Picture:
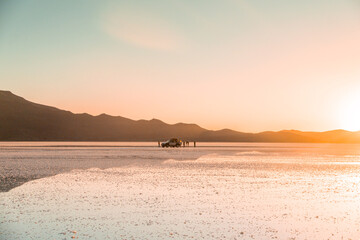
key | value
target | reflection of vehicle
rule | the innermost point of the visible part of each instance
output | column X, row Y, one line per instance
column 173, row 142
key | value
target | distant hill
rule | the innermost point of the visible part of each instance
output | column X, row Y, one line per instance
column 22, row 120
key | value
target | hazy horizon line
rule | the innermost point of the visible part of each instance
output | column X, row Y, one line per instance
column 157, row 119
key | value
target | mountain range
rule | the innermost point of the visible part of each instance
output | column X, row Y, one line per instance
column 22, row 120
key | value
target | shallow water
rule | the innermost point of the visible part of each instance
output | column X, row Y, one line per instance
column 214, row 191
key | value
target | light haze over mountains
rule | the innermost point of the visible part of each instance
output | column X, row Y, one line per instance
column 22, row 120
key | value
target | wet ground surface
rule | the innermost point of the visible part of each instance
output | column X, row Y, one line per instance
column 20, row 165
column 244, row 192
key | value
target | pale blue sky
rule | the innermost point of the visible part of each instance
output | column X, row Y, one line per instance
column 247, row 65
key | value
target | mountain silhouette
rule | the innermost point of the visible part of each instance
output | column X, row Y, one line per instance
column 22, row 120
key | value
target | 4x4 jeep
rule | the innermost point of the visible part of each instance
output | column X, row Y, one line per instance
column 173, row 142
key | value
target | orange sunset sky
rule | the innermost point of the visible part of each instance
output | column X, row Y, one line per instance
column 246, row 65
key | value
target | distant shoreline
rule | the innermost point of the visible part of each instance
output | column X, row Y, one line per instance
column 152, row 144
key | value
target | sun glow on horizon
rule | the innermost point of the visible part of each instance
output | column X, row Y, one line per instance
column 350, row 113
column 250, row 66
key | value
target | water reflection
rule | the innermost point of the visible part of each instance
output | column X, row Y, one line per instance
column 22, row 162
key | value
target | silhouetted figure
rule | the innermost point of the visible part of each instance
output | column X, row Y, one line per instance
column 183, row 144
column 158, row 143
column 194, row 144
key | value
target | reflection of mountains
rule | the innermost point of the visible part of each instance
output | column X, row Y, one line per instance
column 35, row 163
column 24, row 120
column 24, row 164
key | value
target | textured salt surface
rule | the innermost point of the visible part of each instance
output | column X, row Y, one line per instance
column 248, row 194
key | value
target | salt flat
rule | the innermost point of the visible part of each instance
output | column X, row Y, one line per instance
column 244, row 192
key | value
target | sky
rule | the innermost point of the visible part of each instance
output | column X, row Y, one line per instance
column 245, row 65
